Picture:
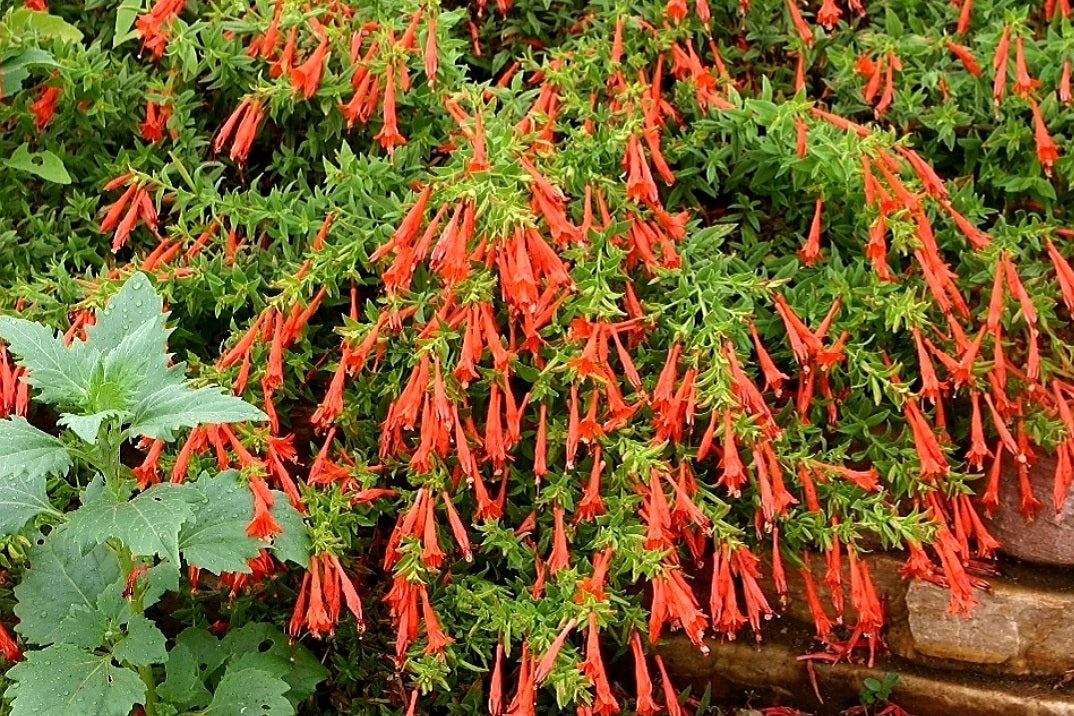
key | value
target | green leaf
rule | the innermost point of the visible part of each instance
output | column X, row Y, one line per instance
column 164, row 577
column 216, row 538
column 293, row 544
column 21, row 499
column 64, row 679
column 87, row 427
column 178, row 406
column 15, row 70
column 143, row 644
column 126, row 14
column 184, row 683
column 42, row 23
column 148, row 525
column 261, row 646
column 136, row 303
column 26, row 451
column 250, row 691
column 61, row 373
column 60, row 578
column 44, row 164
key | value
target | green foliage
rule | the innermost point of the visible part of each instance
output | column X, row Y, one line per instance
column 99, row 566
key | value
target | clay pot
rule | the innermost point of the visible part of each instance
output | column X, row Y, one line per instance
column 1046, row 539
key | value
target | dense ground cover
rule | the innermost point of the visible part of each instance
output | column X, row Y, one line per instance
column 569, row 321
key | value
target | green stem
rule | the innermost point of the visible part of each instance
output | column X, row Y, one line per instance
column 111, row 467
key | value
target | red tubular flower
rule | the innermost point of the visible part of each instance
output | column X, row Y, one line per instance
column 148, row 473
column 8, row 646
column 645, row 705
column 432, row 556
column 820, row 617
column 978, row 448
column 965, row 56
column 677, row 10
column 671, row 698
column 438, row 641
column 523, row 704
column 805, row 32
column 1023, row 83
column 156, row 117
column 389, row 136
column 153, row 27
column 45, row 107
column 560, row 558
column 1063, row 91
column 964, row 17
column 1064, row 275
column 306, row 78
column 829, row 14
column 594, row 584
column 593, row 669
column 263, row 525
column 1047, row 149
column 241, row 129
column 548, row 661
column 591, row 505
column 810, row 253
column 999, row 64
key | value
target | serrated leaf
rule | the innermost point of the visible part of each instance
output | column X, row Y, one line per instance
column 293, row 544
column 261, row 646
column 136, row 303
column 144, row 643
column 216, row 538
column 64, row 679
column 164, row 577
column 87, row 427
column 148, row 525
column 62, row 373
column 250, row 691
column 44, row 164
column 178, row 406
column 184, row 683
column 60, row 577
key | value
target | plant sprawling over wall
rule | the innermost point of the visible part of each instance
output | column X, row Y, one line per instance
column 555, row 309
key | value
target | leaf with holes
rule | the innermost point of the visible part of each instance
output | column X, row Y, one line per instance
column 251, row 691
column 60, row 578
column 148, row 525
column 64, row 679
column 44, row 164
column 216, row 538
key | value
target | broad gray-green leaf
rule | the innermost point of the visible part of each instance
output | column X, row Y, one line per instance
column 250, row 691
column 143, row 644
column 44, row 24
column 136, row 303
column 27, row 456
column 164, row 577
column 178, row 406
column 44, row 164
column 61, row 577
column 258, row 645
column 216, row 539
column 184, row 683
column 15, row 70
column 140, row 361
column 148, row 525
column 64, row 679
column 87, row 427
column 293, row 544
column 126, row 14
column 62, row 373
